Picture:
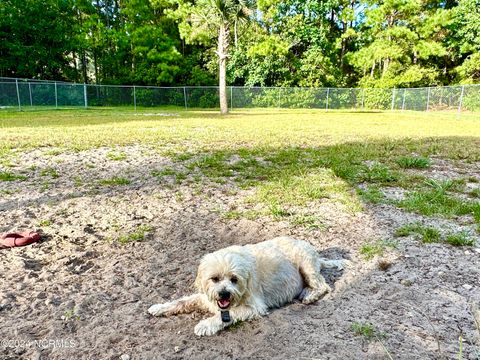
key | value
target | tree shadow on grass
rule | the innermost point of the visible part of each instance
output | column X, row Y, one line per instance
column 351, row 163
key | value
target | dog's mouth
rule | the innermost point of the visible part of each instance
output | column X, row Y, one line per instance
column 223, row 304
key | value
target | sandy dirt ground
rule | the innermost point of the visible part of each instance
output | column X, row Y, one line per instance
column 81, row 294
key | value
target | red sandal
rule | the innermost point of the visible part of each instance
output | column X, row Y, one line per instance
column 21, row 238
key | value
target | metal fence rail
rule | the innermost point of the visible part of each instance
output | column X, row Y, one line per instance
column 24, row 94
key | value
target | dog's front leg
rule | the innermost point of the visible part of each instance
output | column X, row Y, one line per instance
column 184, row 305
column 210, row 326
column 214, row 324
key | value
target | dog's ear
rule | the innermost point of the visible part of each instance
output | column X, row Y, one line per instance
column 199, row 279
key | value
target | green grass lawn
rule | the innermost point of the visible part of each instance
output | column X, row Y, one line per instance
column 253, row 129
column 292, row 157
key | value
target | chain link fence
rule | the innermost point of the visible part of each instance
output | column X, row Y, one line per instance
column 23, row 94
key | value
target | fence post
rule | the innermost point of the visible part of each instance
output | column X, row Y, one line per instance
column 403, row 101
column 363, row 98
column 393, row 99
column 461, row 99
column 328, row 93
column 18, row 95
column 85, row 99
column 231, row 97
column 428, row 97
column 30, row 93
column 185, row 97
column 56, row 96
column 134, row 99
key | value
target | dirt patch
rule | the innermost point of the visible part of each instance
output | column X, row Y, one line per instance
column 81, row 286
column 446, row 169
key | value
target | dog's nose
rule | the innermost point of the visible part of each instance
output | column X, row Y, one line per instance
column 224, row 295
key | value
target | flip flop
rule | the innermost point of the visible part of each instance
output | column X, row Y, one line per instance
column 21, row 238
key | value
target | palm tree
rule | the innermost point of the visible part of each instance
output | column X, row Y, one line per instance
column 220, row 15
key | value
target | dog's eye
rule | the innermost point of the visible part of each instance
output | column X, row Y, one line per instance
column 233, row 279
column 215, row 279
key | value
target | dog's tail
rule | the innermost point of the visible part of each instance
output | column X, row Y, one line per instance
column 332, row 264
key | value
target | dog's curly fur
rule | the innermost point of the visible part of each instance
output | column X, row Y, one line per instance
column 248, row 280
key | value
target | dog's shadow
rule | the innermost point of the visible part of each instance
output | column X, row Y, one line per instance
column 334, row 253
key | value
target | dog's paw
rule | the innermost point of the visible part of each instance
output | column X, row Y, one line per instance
column 159, row 309
column 344, row 264
column 308, row 295
column 206, row 328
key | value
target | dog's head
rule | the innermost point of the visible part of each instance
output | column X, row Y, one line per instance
column 225, row 276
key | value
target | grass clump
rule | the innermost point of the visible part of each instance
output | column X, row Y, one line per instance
column 372, row 194
column 366, row 330
column 436, row 200
column 7, row 163
column 307, row 221
column 379, row 173
column 278, row 211
column 431, row 235
column 475, row 193
column 7, row 176
column 70, row 315
column 53, row 152
column 427, row 234
column 413, row 162
column 45, row 223
column 51, row 172
column 115, row 181
column 377, row 248
column 116, row 156
column 179, row 176
column 8, row 191
column 138, row 235
column 459, row 239
column 300, row 189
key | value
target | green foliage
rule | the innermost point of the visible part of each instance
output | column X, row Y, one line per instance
column 437, row 198
column 51, row 172
column 413, row 162
column 377, row 248
column 396, row 43
column 459, row 239
column 433, row 235
column 179, row 176
column 139, row 234
column 36, row 36
column 371, row 194
column 7, row 176
column 378, row 173
column 285, row 98
column 115, row 181
column 116, row 156
column 365, row 330
column 469, row 71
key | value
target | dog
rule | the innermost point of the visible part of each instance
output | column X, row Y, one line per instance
column 239, row 283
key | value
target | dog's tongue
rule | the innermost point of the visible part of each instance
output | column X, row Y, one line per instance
column 223, row 303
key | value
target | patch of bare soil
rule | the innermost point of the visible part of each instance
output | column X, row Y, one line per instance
column 89, row 294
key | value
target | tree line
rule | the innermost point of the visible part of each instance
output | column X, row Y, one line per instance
column 323, row 43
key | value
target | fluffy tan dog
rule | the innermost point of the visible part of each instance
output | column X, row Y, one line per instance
column 240, row 283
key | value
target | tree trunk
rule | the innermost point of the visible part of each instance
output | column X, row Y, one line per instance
column 386, row 64
column 236, row 34
column 84, row 67
column 344, row 44
column 95, row 65
column 223, row 42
